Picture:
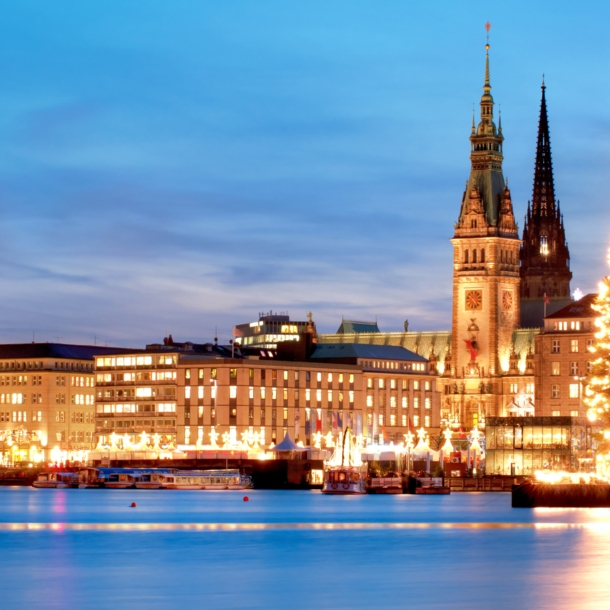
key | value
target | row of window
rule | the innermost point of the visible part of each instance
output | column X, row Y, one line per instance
column 574, row 345
column 573, row 390
column 20, row 416
column 73, row 366
column 162, row 407
column 125, row 361
column 513, row 388
column 416, row 384
column 404, row 402
column 574, row 368
column 402, row 366
column 136, row 376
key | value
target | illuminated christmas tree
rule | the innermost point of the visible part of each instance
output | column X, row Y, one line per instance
column 597, row 383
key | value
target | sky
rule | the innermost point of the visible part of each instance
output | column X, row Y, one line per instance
column 178, row 167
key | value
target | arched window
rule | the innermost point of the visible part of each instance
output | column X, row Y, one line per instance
column 544, row 244
column 474, row 256
column 473, row 223
column 466, row 256
column 483, row 255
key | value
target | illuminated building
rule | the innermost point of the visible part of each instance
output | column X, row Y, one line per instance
column 524, row 445
column 545, row 258
column 270, row 329
column 188, row 393
column 47, row 399
column 562, row 359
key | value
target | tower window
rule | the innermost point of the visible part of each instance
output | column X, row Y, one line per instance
column 474, row 256
column 483, row 255
column 544, row 245
column 473, row 223
column 466, row 256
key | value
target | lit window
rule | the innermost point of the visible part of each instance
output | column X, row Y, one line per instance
column 405, row 402
column 416, row 420
column 574, row 390
column 369, row 383
column 187, row 392
column 393, row 419
column 555, row 347
column 555, row 391
column 404, row 420
column 574, row 413
column 555, row 413
column 427, row 421
column 513, row 388
column 416, row 385
column 233, row 391
column 369, row 401
column 381, row 384
column 319, row 376
column 416, row 402
column 555, row 368
column 427, row 403
column 574, row 346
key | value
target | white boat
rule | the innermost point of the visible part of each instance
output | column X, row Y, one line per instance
column 345, row 473
column 121, row 480
column 55, row 480
column 205, row 479
column 150, row 480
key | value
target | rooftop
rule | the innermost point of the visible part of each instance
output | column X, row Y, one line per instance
column 357, row 326
column 578, row 309
column 57, row 350
column 364, row 350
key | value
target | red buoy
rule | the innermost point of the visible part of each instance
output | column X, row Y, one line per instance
column 246, row 499
column 133, row 505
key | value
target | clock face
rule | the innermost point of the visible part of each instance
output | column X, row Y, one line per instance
column 474, row 299
column 507, row 300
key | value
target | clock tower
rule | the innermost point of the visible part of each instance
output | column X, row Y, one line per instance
column 485, row 274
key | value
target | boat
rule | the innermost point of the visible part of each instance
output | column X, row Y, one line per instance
column 149, row 480
column 121, row 480
column 345, row 473
column 427, row 486
column 385, row 485
column 205, row 479
column 55, row 480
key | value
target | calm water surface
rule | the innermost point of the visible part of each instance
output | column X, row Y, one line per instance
column 292, row 550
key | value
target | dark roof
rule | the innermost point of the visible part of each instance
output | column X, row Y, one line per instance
column 57, row 350
column 578, row 309
column 365, row 350
column 354, row 326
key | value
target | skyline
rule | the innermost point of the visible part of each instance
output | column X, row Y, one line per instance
column 157, row 180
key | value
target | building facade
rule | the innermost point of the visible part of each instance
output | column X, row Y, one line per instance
column 47, row 399
column 198, row 394
column 562, row 359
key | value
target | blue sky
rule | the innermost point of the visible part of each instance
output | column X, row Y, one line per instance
column 177, row 166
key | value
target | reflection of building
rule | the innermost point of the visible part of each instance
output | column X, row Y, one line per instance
column 271, row 329
column 522, row 445
column 562, row 358
column 47, row 393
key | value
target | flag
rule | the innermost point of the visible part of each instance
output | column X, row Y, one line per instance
column 547, row 301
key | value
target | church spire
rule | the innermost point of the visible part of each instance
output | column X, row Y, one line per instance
column 545, row 258
column 543, row 200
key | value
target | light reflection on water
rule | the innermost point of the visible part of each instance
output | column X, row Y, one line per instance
column 89, row 549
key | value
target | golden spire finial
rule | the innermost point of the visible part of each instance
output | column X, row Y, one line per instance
column 487, row 27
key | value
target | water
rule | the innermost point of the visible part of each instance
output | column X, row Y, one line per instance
column 296, row 550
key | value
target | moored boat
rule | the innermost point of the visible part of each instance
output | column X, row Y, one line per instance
column 205, row 479
column 55, row 480
column 345, row 473
column 385, row 485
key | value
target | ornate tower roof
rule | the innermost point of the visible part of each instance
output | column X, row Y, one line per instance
column 486, row 193
column 545, row 258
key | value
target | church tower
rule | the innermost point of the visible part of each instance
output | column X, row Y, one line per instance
column 545, row 258
column 486, row 274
